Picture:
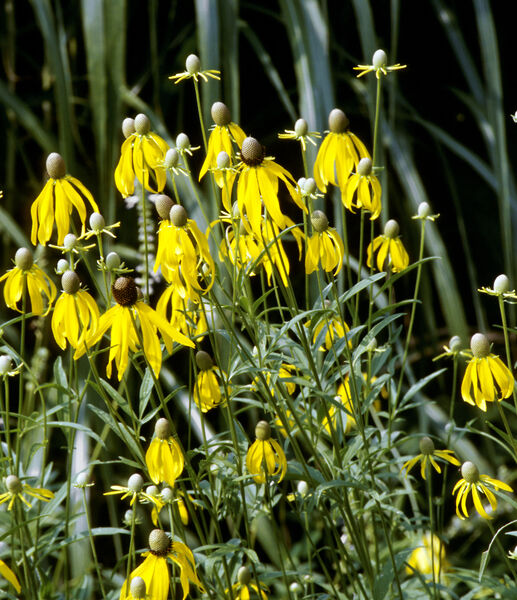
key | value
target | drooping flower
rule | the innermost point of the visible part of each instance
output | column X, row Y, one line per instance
column 390, row 250
column 378, row 65
column 325, row 246
column 141, row 156
column 273, row 253
column 183, row 253
column 339, row 153
column 421, row 559
column 335, row 329
column 244, row 586
column 473, row 481
column 76, row 314
column 164, row 458
column 486, row 378
column 207, row 389
column 155, row 572
column 26, row 275
column 56, row 201
column 301, row 133
column 363, row 190
column 185, row 315
column 220, row 140
column 265, row 457
column 428, row 453
column 16, row 489
column 258, row 186
column 124, row 318
column 6, row 573
column 284, row 374
column 193, row 71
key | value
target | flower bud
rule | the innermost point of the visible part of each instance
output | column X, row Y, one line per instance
column 301, row 182
column 82, row 479
column 470, row 472
column 301, row 128
column 135, row 483
column 6, row 363
column 391, row 229
column 424, row 210
column 152, row 490
column 220, row 114
column 455, row 343
column 379, row 59
column 97, row 222
column 426, row 445
column 162, row 429
column 319, row 221
column 56, row 167
column 338, row 121
column 128, row 127
column 263, row 431
column 171, row 158
column 302, row 488
column 163, row 205
column 159, row 541
column 480, row 345
column 124, row 291
column 193, row 64
column 182, row 141
column 178, row 216
column 69, row 242
column 223, row 160
column 142, row 124
column 295, row 588
column 167, row 494
column 112, row 261
column 62, row 266
column 252, row 152
column 23, row 259
column 309, row 186
column 204, row 360
column 364, row 168
column 501, row 284
column 70, row 282
column 137, row 588
column 244, row 575
column 13, row 484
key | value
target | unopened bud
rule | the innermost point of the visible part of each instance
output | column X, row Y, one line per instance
column 455, row 343
column 244, row 575
column 142, row 124
column 426, row 445
column 223, row 160
column 501, row 284
column 193, row 64
column 97, row 222
column 301, row 128
column 128, row 127
column 112, row 261
column 424, row 210
column 69, row 241
column 137, row 588
column 171, row 158
column 135, row 483
column 309, row 186
column 379, row 59
column 182, row 141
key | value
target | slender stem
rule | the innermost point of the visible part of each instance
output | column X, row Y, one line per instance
column 432, row 525
column 507, row 344
column 92, row 544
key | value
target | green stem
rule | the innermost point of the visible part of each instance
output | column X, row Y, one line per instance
column 507, row 344
column 92, row 544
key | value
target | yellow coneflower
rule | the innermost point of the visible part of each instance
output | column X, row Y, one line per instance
column 273, row 253
column 193, row 71
column 134, row 490
column 428, row 453
column 378, row 66
column 421, row 559
column 16, row 489
column 325, row 246
column 339, row 153
column 363, row 190
column 486, row 378
column 244, row 586
column 185, row 315
column 258, row 184
column 265, row 457
column 300, row 133
column 26, row 275
column 207, row 389
column 473, row 481
column 220, row 140
column 60, row 195
column 123, row 319
column 154, row 570
column 76, row 314
column 141, row 156
column 390, row 250
column 336, row 328
column 164, row 458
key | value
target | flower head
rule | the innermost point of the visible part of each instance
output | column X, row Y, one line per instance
column 6, row 573
column 164, row 458
column 193, row 71
column 265, row 457
column 258, row 186
column 185, row 315
column 56, row 201
column 16, row 490
column 207, row 389
column 378, row 65
column 301, row 133
column 339, row 153
column 76, row 314
column 428, row 453
column 244, row 586
column 155, row 573
column 473, row 481
column 129, row 319
column 363, row 190
column 421, row 559
column 334, row 327
column 325, row 246
column 486, row 378
column 26, row 275
column 134, row 490
column 500, row 288
column 221, row 137
column 141, row 156
column 390, row 249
